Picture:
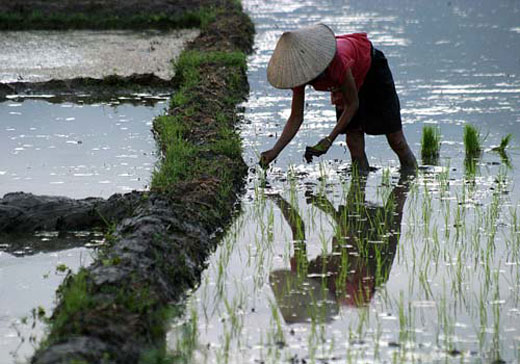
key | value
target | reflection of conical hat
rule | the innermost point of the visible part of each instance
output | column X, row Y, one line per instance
column 301, row 55
column 300, row 298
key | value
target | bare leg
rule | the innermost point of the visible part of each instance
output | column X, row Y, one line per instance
column 399, row 145
column 356, row 146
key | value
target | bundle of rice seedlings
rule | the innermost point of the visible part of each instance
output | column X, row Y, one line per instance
column 430, row 144
column 472, row 140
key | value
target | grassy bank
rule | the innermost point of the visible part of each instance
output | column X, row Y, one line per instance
column 196, row 144
column 110, row 14
column 116, row 310
column 39, row 21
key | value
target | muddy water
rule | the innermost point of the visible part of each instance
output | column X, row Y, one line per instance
column 323, row 267
column 77, row 150
column 32, row 56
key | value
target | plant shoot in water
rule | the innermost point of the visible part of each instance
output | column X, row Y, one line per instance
column 501, row 150
column 504, row 143
column 472, row 141
column 430, row 144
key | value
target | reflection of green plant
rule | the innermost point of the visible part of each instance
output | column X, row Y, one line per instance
column 501, row 149
column 471, row 167
column 187, row 340
column 430, row 144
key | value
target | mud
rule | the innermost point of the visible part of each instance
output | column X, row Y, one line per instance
column 25, row 212
column 231, row 31
column 153, row 256
column 36, row 56
column 88, row 89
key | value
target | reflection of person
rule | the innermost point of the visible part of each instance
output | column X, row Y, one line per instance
column 363, row 250
column 361, row 86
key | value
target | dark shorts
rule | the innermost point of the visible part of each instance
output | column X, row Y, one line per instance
column 379, row 108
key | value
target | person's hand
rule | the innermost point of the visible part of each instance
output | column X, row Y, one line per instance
column 319, row 149
column 266, row 158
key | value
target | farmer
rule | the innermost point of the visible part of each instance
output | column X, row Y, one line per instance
column 361, row 86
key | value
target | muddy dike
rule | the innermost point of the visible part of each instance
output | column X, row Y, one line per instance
column 117, row 310
column 90, row 89
column 25, row 213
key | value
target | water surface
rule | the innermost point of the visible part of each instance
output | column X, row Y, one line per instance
column 323, row 267
column 31, row 269
column 77, row 150
column 68, row 149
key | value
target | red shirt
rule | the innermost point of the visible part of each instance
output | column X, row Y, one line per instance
column 353, row 51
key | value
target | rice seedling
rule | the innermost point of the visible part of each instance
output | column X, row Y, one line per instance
column 504, row 143
column 501, row 150
column 471, row 168
column 448, row 253
column 472, row 141
column 430, row 145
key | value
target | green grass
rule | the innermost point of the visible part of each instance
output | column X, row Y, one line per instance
column 179, row 152
column 37, row 20
column 472, row 140
column 430, row 144
column 74, row 298
column 182, row 158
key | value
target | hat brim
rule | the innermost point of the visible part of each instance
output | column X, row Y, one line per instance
column 300, row 56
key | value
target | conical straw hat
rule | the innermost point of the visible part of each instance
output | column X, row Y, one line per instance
column 301, row 55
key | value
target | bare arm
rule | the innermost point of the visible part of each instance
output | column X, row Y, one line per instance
column 350, row 106
column 289, row 131
column 351, row 102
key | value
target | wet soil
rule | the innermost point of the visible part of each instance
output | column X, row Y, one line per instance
column 25, row 212
column 93, row 89
column 43, row 55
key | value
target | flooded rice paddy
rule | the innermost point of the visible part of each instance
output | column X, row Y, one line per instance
column 68, row 149
column 31, row 269
column 77, row 150
column 323, row 266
